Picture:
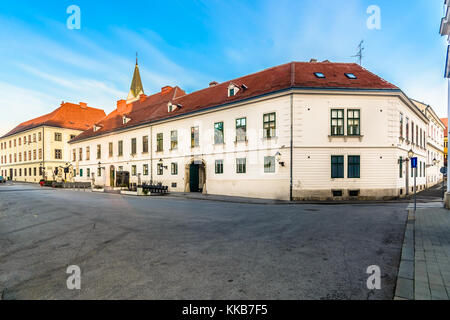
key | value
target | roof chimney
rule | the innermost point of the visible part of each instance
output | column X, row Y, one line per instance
column 83, row 105
column 121, row 106
column 313, row 60
column 213, row 83
column 166, row 89
column 142, row 97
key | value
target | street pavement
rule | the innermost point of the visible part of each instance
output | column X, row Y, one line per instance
column 424, row 272
column 175, row 248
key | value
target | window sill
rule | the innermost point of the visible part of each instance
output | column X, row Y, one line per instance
column 346, row 137
column 236, row 142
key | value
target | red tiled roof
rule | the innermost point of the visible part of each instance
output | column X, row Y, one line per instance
column 445, row 121
column 295, row 74
column 68, row 115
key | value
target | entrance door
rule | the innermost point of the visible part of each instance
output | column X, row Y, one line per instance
column 11, row 173
column 194, row 178
column 112, row 176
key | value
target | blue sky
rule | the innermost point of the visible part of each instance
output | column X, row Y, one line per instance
column 190, row 43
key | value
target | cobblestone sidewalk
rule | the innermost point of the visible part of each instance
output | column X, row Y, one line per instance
column 424, row 272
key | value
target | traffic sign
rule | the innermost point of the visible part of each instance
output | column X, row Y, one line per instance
column 414, row 163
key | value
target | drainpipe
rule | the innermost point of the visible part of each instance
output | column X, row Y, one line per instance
column 292, row 151
column 151, row 154
column 43, row 153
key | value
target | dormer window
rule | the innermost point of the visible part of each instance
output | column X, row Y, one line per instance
column 171, row 107
column 351, row 76
column 319, row 75
column 232, row 90
column 125, row 120
column 96, row 128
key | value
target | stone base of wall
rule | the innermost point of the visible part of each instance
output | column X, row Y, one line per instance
column 363, row 195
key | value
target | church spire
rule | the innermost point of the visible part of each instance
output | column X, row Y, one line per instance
column 136, row 88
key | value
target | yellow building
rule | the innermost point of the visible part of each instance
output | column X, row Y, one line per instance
column 35, row 148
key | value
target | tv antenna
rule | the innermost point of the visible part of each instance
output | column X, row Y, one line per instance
column 360, row 55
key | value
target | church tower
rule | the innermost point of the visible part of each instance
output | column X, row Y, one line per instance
column 136, row 88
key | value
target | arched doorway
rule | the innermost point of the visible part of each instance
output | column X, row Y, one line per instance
column 196, row 176
column 112, row 176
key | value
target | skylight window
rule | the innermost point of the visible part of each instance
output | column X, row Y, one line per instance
column 319, row 75
column 351, row 76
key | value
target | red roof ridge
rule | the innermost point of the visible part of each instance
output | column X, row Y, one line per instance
column 63, row 117
column 230, row 81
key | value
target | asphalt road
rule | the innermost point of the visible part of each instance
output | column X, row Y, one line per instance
column 175, row 248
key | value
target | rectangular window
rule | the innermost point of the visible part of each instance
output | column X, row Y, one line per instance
column 58, row 137
column 34, row 171
column 354, row 165
column 99, row 151
column 81, row 172
column 145, row 144
column 337, row 167
column 241, row 129
column 110, row 149
column 269, row 164
column 219, row 166
column 195, row 137
column 269, row 125
column 159, row 169
column 88, row 172
column 34, row 137
column 159, row 142
column 133, row 170
column 412, row 132
column 120, row 148
column 58, row 154
column 353, row 123
column 407, row 128
column 74, row 155
column 218, row 133
column 34, row 155
column 241, row 165
column 145, row 170
column 88, row 153
column 337, row 122
column 99, row 172
column 80, row 154
column 400, row 163
column 173, row 140
column 417, row 135
column 39, row 136
column 420, row 141
column 174, row 168
column 133, row 146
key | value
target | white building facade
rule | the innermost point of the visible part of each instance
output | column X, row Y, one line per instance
column 300, row 131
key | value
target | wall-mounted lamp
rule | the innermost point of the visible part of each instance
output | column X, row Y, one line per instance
column 278, row 159
column 161, row 163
